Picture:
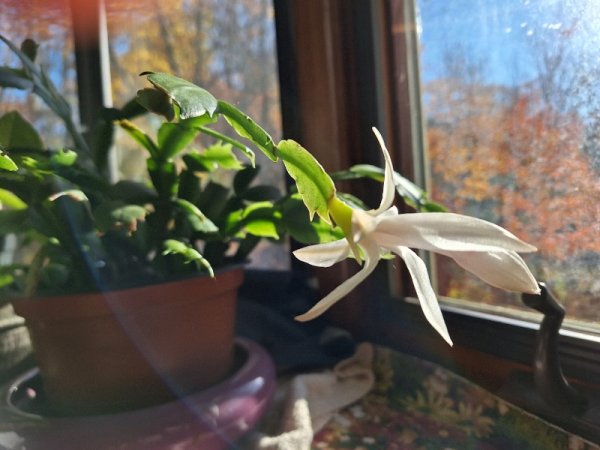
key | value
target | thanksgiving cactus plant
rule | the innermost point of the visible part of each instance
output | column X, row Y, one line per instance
column 89, row 232
column 80, row 232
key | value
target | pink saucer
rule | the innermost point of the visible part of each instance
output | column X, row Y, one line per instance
column 209, row 420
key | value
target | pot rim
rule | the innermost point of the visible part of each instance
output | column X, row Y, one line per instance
column 130, row 300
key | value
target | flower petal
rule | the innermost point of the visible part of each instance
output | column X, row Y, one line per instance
column 389, row 190
column 390, row 212
column 505, row 270
column 425, row 294
column 324, row 255
column 371, row 259
column 446, row 232
column 363, row 224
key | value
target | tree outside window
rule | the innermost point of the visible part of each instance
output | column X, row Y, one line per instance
column 512, row 106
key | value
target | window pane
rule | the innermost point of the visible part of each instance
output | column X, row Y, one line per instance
column 511, row 94
column 225, row 47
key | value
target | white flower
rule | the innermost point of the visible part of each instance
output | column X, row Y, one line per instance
column 485, row 249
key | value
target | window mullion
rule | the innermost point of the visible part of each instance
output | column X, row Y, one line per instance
column 92, row 65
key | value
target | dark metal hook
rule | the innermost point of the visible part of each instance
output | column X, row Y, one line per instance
column 550, row 382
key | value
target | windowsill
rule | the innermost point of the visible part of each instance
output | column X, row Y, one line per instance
column 523, row 318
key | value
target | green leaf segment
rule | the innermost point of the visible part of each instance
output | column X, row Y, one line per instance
column 6, row 163
column 314, row 185
column 192, row 100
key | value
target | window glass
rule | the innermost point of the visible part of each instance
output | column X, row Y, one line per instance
column 49, row 24
column 511, row 98
column 225, row 47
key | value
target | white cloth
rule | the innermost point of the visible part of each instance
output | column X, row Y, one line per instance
column 310, row 400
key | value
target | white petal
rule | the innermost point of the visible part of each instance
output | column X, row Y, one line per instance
column 425, row 294
column 389, row 190
column 324, row 255
column 446, row 232
column 505, row 270
column 390, row 212
column 363, row 224
column 371, row 259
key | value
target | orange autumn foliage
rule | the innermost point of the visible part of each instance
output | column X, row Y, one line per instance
column 524, row 168
column 518, row 162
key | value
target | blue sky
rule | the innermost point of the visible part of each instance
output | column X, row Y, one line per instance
column 503, row 33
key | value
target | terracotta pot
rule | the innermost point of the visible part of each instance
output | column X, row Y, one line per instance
column 115, row 351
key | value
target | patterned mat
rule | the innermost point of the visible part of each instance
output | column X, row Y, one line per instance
column 417, row 405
